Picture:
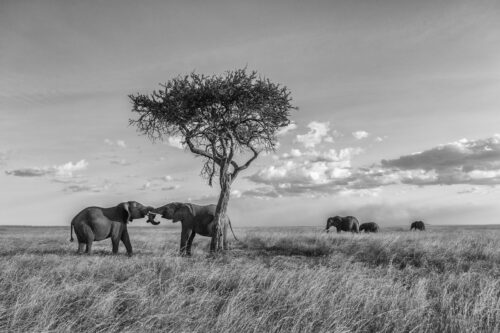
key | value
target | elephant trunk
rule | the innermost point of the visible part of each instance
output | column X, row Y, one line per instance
column 151, row 219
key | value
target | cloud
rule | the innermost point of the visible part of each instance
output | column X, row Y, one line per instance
column 88, row 187
column 175, row 141
column 284, row 130
column 121, row 143
column 261, row 193
column 460, row 162
column 474, row 162
column 64, row 170
column 318, row 133
column 118, row 143
column 27, row 172
column 170, row 188
column 309, row 172
column 68, row 168
column 236, row 193
column 162, row 183
column 359, row 135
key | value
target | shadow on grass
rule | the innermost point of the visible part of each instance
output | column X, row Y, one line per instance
column 290, row 247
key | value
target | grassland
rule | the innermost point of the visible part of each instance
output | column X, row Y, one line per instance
column 277, row 280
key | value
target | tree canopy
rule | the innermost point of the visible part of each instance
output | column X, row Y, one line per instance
column 216, row 116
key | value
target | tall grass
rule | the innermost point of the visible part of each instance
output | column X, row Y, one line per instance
column 275, row 281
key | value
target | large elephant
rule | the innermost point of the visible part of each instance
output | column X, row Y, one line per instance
column 418, row 225
column 96, row 223
column 369, row 227
column 195, row 219
column 347, row 223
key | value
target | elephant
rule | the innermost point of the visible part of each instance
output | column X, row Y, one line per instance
column 418, row 225
column 369, row 227
column 96, row 223
column 348, row 223
column 195, row 219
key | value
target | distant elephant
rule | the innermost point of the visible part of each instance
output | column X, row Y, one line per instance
column 418, row 225
column 369, row 227
column 348, row 223
column 96, row 223
column 195, row 219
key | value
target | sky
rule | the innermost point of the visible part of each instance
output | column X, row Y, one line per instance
column 398, row 101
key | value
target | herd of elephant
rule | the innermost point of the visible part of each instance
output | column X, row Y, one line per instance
column 97, row 223
column 350, row 223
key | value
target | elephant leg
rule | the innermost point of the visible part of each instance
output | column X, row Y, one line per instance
column 115, row 242
column 184, row 238
column 190, row 243
column 90, row 240
column 80, row 248
column 126, row 242
column 89, row 246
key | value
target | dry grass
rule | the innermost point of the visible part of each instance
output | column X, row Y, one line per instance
column 279, row 280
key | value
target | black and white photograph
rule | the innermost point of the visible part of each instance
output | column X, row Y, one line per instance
column 250, row 166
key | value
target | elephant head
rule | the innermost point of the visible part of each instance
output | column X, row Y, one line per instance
column 175, row 211
column 181, row 211
column 332, row 222
column 131, row 210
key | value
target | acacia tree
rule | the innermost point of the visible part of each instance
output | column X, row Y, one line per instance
column 222, row 118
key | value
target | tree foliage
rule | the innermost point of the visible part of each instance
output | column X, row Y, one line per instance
column 216, row 116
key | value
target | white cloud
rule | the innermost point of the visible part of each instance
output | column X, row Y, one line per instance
column 64, row 170
column 170, row 188
column 309, row 172
column 162, row 183
column 379, row 139
column 475, row 162
column 175, row 141
column 359, row 135
column 236, row 193
column 88, row 187
column 286, row 129
column 118, row 143
column 318, row 132
column 460, row 162
column 121, row 143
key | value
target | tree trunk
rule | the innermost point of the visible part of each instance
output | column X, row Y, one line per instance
column 220, row 212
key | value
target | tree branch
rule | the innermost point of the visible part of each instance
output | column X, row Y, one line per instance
column 201, row 152
column 247, row 164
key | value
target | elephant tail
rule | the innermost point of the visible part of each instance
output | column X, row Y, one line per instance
column 231, row 226
column 71, row 232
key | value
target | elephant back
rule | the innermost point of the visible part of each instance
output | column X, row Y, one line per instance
column 350, row 223
column 369, row 226
column 418, row 225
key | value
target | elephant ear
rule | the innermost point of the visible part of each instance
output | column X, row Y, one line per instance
column 182, row 212
column 124, row 207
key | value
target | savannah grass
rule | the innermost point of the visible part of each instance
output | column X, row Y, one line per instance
column 277, row 280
